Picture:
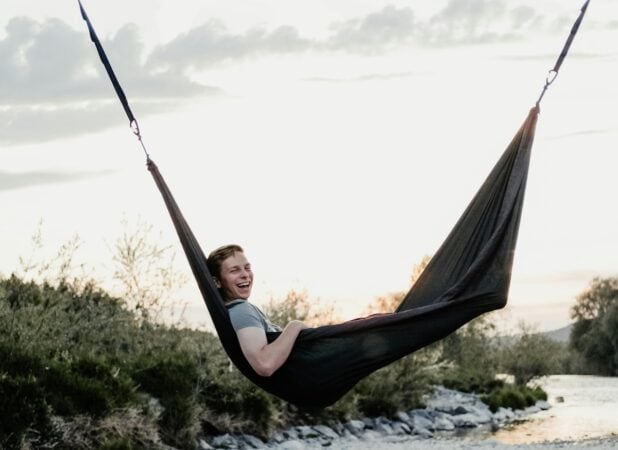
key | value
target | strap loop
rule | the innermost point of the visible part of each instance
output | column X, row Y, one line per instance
column 553, row 73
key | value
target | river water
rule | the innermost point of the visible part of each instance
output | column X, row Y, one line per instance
column 584, row 412
column 589, row 410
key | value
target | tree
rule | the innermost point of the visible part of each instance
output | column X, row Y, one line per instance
column 531, row 356
column 470, row 357
column 595, row 332
column 389, row 302
column 146, row 271
column 298, row 306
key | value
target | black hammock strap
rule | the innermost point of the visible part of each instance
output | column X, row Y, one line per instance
column 553, row 73
column 468, row 276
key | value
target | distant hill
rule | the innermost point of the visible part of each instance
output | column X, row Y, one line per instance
column 559, row 335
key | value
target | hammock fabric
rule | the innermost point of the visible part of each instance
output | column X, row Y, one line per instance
column 468, row 276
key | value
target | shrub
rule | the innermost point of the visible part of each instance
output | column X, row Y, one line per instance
column 514, row 397
column 232, row 403
column 87, row 385
column 22, row 408
column 471, row 358
column 397, row 387
column 594, row 337
column 127, row 428
column 174, row 382
column 531, row 356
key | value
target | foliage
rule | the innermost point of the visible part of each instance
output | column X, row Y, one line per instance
column 22, row 408
column 470, row 357
column 386, row 303
column 80, row 368
column 145, row 270
column 390, row 302
column 57, row 269
column 513, row 396
column 174, row 382
column 299, row 306
column 397, row 387
column 595, row 332
column 126, row 428
column 68, row 353
column 233, row 404
column 530, row 356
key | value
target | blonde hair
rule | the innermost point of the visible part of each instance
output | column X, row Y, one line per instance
column 216, row 257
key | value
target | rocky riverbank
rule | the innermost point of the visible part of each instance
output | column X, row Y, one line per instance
column 448, row 413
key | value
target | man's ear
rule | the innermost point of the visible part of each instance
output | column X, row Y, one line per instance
column 217, row 282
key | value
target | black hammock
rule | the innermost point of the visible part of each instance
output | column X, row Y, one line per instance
column 468, row 276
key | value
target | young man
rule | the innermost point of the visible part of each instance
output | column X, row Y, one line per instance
column 232, row 273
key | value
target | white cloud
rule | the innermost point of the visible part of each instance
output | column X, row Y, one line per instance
column 54, row 86
column 10, row 181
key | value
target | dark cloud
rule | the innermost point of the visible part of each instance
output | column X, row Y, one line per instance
column 212, row 44
column 53, row 84
column 49, row 63
column 378, row 30
column 10, row 181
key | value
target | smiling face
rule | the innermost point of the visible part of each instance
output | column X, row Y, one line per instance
column 235, row 277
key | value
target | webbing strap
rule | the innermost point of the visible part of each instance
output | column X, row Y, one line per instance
column 112, row 76
column 553, row 73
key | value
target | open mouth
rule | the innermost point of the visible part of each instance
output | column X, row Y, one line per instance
column 244, row 285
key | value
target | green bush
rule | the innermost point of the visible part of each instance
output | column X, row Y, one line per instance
column 594, row 338
column 470, row 358
column 83, row 386
column 174, row 382
column 514, row 397
column 397, row 387
column 531, row 356
column 87, row 386
column 232, row 403
column 22, row 408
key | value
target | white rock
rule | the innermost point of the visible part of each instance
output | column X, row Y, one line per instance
column 401, row 428
column 403, row 417
column 326, row 431
column 384, row 428
column 291, row 445
column 371, row 435
column 203, row 445
column 423, row 432
column 356, row 427
column 306, row 432
column 442, row 422
column 417, row 421
column 465, row 420
column 252, row 441
column 544, row 405
column 224, row 441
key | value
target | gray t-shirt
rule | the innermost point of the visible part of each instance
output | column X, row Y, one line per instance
column 244, row 314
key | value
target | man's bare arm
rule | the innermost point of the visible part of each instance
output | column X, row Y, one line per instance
column 266, row 358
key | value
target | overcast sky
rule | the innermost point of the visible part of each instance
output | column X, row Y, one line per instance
column 338, row 140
